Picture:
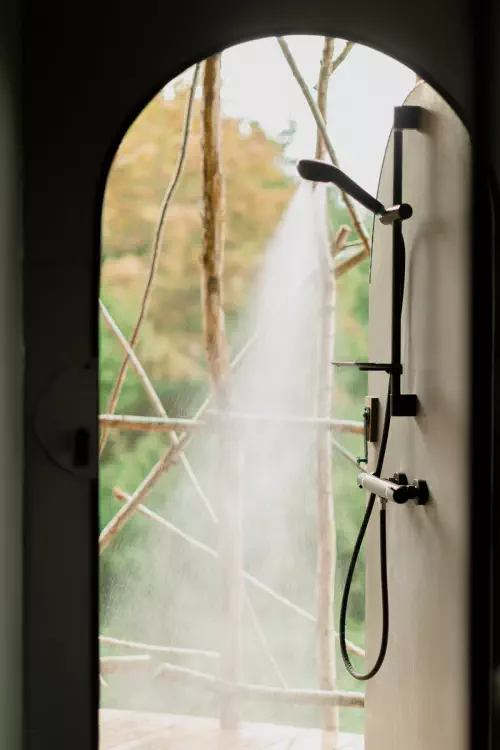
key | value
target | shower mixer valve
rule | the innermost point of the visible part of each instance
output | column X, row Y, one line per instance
column 396, row 489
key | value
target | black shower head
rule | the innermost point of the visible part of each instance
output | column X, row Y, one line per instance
column 320, row 171
column 317, row 171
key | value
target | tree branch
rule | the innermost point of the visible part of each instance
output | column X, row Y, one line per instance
column 157, row 404
column 322, row 89
column 344, row 452
column 329, row 146
column 353, row 260
column 127, row 511
column 341, row 57
column 171, row 650
column 264, row 642
column 155, row 255
column 133, row 359
column 340, row 239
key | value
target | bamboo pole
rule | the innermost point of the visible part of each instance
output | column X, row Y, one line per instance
column 250, row 692
column 326, row 544
column 216, row 348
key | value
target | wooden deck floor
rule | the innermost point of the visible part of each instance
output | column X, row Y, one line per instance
column 134, row 730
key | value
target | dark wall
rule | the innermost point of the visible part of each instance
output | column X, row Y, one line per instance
column 88, row 71
column 10, row 381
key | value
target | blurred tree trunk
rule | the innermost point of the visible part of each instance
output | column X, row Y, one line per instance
column 217, row 354
column 326, row 553
column 322, row 89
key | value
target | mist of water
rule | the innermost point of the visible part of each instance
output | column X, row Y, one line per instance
column 176, row 601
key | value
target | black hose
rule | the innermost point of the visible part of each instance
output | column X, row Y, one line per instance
column 383, row 566
column 383, row 538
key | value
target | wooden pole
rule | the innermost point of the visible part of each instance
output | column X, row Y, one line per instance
column 326, row 550
column 217, row 354
column 167, row 424
column 322, row 89
column 260, row 692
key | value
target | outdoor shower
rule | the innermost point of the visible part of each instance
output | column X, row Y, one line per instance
column 397, row 488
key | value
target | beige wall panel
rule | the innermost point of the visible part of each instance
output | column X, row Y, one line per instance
column 418, row 701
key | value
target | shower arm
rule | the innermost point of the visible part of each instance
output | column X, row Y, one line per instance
column 405, row 118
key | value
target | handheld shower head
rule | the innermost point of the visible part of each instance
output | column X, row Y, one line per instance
column 316, row 170
column 320, row 171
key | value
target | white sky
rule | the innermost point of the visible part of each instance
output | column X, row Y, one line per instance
column 259, row 85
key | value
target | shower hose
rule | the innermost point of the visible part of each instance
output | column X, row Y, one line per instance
column 383, row 537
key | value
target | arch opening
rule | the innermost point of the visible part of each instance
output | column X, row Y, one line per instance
column 265, row 214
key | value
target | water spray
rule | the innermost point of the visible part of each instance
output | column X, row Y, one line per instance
column 397, row 489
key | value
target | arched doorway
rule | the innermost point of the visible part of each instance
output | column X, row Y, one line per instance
column 55, row 177
column 449, row 111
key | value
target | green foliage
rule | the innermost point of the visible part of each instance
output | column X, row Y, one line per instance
column 351, row 336
column 111, row 356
